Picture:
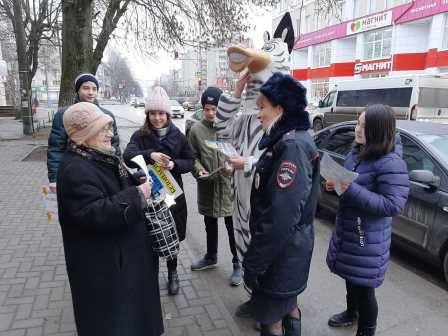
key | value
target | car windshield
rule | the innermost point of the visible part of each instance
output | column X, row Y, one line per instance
column 174, row 103
column 438, row 143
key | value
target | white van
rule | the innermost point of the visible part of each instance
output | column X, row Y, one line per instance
column 417, row 97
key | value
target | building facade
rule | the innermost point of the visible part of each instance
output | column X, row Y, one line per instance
column 365, row 39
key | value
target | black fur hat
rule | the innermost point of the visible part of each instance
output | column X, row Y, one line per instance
column 287, row 92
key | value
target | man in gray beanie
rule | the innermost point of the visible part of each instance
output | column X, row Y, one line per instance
column 86, row 88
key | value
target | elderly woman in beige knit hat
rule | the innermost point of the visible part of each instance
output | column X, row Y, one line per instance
column 112, row 269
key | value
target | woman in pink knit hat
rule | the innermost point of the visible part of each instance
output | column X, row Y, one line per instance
column 111, row 267
column 160, row 141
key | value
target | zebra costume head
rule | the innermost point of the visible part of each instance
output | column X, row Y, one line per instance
column 273, row 57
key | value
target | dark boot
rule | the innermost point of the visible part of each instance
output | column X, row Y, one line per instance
column 366, row 331
column 267, row 333
column 173, row 282
column 244, row 310
column 292, row 326
column 344, row 319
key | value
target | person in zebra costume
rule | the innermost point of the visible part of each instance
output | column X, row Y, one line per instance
column 243, row 129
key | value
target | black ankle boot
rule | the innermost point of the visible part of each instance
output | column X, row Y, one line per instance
column 173, row 282
column 292, row 326
column 366, row 331
column 344, row 319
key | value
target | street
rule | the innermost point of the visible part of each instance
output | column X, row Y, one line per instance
column 412, row 301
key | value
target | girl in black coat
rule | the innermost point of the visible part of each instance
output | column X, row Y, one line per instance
column 112, row 270
column 160, row 141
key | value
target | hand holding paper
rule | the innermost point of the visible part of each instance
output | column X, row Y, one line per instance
column 337, row 177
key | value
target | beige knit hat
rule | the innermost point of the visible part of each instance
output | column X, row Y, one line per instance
column 83, row 121
column 158, row 100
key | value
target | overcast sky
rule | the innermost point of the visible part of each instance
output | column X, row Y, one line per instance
column 146, row 70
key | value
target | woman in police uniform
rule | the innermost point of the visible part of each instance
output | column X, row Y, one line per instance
column 283, row 202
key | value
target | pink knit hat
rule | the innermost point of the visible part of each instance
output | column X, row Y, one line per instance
column 83, row 121
column 158, row 100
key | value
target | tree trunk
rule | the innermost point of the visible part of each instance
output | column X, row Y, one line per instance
column 77, row 45
column 24, row 69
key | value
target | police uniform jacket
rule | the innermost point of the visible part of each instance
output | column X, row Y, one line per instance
column 283, row 202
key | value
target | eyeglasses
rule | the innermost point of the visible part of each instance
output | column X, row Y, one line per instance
column 107, row 129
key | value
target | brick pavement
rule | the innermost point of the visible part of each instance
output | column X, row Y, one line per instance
column 34, row 291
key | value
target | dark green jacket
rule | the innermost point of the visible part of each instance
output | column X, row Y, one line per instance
column 215, row 195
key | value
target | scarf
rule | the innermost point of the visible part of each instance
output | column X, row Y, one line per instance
column 105, row 157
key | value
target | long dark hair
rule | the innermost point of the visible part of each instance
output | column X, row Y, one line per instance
column 147, row 128
column 380, row 129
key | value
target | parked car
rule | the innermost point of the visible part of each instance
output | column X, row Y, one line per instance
column 177, row 109
column 138, row 102
column 418, row 97
column 188, row 106
column 193, row 119
column 422, row 228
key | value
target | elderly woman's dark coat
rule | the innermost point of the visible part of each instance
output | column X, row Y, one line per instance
column 112, row 270
column 175, row 145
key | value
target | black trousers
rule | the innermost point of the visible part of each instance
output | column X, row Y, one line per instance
column 363, row 300
column 211, row 228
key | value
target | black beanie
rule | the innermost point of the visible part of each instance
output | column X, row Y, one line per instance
column 85, row 77
column 211, row 96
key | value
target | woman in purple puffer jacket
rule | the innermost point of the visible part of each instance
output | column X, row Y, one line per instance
column 360, row 245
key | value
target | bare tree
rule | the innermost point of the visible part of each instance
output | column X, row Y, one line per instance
column 33, row 22
column 329, row 7
column 122, row 81
column 164, row 23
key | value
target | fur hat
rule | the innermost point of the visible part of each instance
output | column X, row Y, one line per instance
column 287, row 92
column 211, row 96
column 85, row 77
column 83, row 121
column 158, row 100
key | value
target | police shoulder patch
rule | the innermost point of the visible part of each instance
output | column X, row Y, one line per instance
column 286, row 174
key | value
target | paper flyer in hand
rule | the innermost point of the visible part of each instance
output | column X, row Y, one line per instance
column 331, row 170
column 162, row 177
column 223, row 147
column 50, row 203
column 212, row 174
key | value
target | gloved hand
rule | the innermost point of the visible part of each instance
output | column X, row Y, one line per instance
column 139, row 176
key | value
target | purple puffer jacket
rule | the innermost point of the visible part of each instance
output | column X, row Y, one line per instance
column 359, row 247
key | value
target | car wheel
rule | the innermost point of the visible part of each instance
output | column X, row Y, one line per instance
column 317, row 125
column 445, row 266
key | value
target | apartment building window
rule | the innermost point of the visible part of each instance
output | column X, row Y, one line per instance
column 445, row 33
column 378, row 44
column 322, row 55
column 366, row 7
column 319, row 89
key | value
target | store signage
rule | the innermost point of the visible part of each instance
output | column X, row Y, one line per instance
column 369, row 22
column 377, row 66
column 321, row 36
column 423, row 8
column 405, row 13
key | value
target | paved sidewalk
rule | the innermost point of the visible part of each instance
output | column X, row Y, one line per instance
column 34, row 291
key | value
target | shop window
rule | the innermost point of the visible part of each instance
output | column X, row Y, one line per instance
column 445, row 33
column 378, row 44
column 322, row 55
column 319, row 89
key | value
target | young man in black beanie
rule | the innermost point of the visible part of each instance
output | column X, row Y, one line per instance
column 215, row 194
column 86, row 88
